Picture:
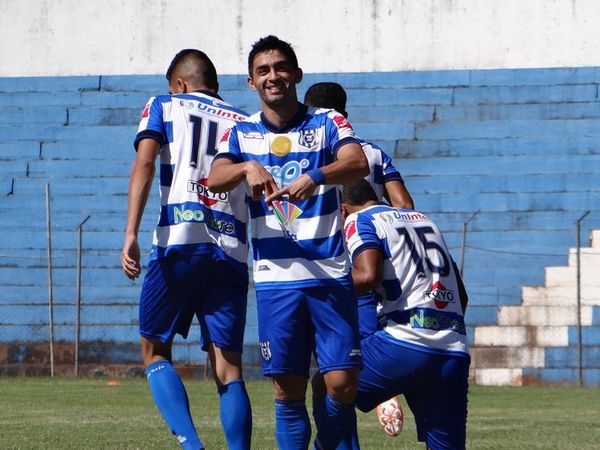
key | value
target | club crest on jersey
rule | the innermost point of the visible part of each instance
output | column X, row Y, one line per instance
column 308, row 139
column 205, row 196
column 281, row 146
column 440, row 295
column 285, row 212
column 186, row 104
column 350, row 230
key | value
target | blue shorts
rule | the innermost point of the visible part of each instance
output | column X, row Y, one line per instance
column 434, row 383
column 367, row 315
column 293, row 323
column 180, row 286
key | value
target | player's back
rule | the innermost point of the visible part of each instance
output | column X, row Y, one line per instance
column 193, row 219
column 419, row 296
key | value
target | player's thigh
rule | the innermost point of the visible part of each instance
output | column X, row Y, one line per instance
column 440, row 406
column 284, row 332
column 222, row 308
column 170, row 292
column 388, row 370
column 334, row 317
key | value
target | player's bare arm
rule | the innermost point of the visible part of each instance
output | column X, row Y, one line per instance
column 225, row 175
column 351, row 165
column 396, row 194
column 142, row 174
column 367, row 271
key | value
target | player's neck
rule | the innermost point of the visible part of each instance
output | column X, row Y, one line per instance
column 280, row 115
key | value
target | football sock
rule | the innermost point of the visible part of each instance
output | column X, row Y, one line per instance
column 236, row 415
column 292, row 426
column 350, row 441
column 333, row 420
column 172, row 402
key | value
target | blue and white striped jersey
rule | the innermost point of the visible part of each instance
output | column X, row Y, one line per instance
column 298, row 244
column 192, row 219
column 381, row 168
column 419, row 300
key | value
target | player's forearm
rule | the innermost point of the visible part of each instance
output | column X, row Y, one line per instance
column 142, row 174
column 226, row 176
column 350, row 166
column 397, row 195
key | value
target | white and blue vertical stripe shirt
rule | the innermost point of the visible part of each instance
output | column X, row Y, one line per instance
column 192, row 219
column 419, row 299
column 298, row 244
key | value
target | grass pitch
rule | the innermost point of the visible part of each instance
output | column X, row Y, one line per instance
column 64, row 413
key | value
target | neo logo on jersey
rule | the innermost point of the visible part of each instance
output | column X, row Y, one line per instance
column 440, row 295
column 287, row 173
column 205, row 196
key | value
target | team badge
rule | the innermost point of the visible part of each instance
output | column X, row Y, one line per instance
column 308, row 139
column 281, row 146
column 285, row 212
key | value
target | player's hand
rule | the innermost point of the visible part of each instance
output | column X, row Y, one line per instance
column 130, row 258
column 259, row 180
column 302, row 188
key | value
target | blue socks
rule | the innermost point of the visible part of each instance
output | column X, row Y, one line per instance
column 172, row 402
column 236, row 415
column 292, row 426
column 334, row 420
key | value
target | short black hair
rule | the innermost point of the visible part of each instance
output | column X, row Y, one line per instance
column 327, row 95
column 204, row 69
column 271, row 42
column 358, row 193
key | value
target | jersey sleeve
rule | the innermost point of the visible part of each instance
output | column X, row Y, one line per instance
column 339, row 131
column 360, row 234
column 390, row 173
column 152, row 124
column 229, row 147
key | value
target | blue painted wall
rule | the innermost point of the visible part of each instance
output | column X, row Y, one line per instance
column 521, row 146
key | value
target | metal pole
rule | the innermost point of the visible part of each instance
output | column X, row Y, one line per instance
column 78, row 305
column 50, row 299
column 578, row 294
column 464, row 240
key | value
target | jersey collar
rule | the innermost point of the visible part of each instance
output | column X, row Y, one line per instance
column 209, row 93
column 298, row 117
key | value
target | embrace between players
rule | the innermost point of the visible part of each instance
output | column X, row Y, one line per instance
column 282, row 171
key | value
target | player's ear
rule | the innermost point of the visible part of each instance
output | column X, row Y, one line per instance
column 299, row 75
column 345, row 212
column 250, row 82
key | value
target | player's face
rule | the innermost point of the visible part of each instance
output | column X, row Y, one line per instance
column 274, row 78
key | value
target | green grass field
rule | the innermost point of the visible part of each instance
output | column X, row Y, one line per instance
column 38, row 413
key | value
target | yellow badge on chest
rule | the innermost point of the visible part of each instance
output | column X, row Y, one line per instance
column 281, row 146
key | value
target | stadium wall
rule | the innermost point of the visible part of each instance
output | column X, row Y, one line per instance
column 116, row 37
column 519, row 146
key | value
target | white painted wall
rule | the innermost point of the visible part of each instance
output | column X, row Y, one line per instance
column 90, row 37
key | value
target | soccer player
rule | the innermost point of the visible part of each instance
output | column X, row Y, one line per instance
column 198, row 260
column 421, row 351
column 387, row 183
column 295, row 156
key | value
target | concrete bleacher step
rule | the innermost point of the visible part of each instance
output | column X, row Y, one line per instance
column 508, row 357
column 500, row 129
column 525, row 94
column 106, row 134
column 39, row 115
column 568, row 144
column 521, row 336
column 559, row 296
column 542, row 315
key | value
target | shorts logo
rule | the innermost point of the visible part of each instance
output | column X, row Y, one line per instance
column 440, row 295
column 265, row 350
column 205, row 196
column 281, row 146
column 263, row 268
column 355, row 353
column 350, row 230
column 308, row 139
